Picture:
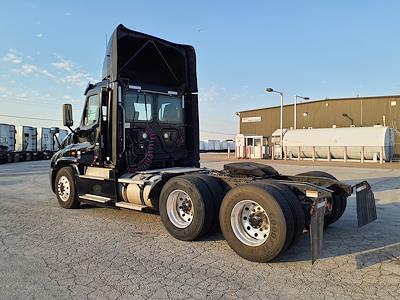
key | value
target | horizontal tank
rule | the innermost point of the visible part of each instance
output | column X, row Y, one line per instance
column 26, row 139
column 340, row 140
column 7, row 136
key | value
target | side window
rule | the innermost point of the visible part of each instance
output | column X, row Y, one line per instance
column 91, row 114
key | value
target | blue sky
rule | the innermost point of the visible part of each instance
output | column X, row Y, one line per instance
column 49, row 50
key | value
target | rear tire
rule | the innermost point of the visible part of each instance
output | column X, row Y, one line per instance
column 186, row 207
column 256, row 221
column 65, row 188
column 295, row 207
column 217, row 191
column 339, row 198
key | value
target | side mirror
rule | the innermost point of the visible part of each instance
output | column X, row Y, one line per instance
column 67, row 115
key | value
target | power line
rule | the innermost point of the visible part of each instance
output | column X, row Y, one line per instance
column 30, row 118
column 217, row 132
column 43, row 119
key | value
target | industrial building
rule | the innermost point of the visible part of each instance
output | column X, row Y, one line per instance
column 326, row 113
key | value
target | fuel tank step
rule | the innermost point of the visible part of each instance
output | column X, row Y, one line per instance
column 95, row 198
column 130, row 205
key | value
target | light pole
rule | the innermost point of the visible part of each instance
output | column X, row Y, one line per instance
column 270, row 90
column 295, row 108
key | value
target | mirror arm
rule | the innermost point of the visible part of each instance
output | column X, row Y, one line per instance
column 72, row 130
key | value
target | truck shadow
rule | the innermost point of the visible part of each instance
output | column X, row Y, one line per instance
column 371, row 244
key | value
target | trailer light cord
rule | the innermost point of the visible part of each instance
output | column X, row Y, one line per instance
column 148, row 158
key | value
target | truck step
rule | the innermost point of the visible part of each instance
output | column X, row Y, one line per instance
column 129, row 205
column 91, row 177
column 95, row 198
column 132, row 181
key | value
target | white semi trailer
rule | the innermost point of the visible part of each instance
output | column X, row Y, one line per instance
column 45, row 143
column 7, row 141
column 26, row 143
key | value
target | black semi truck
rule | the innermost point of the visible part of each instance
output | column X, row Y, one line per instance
column 137, row 147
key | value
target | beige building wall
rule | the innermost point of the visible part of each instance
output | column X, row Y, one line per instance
column 367, row 111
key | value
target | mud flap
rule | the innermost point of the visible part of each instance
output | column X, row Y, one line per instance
column 317, row 228
column 365, row 201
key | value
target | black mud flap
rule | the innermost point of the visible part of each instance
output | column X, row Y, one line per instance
column 317, row 228
column 366, row 208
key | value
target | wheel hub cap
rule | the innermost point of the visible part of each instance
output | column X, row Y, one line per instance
column 180, row 208
column 250, row 223
column 63, row 188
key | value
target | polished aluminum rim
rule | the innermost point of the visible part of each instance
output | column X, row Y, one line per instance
column 180, row 209
column 63, row 188
column 250, row 223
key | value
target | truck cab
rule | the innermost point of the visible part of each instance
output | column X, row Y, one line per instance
column 137, row 147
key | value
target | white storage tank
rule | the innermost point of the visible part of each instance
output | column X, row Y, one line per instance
column 26, row 139
column 45, row 140
column 7, row 136
column 354, row 138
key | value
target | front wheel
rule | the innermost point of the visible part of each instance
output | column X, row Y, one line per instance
column 65, row 188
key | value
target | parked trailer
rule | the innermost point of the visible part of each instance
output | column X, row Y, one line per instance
column 45, row 142
column 26, row 143
column 340, row 143
column 122, row 157
column 7, row 141
column 60, row 136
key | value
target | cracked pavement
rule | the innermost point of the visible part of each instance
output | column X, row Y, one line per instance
column 102, row 253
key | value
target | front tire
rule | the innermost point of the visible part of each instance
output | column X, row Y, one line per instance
column 65, row 188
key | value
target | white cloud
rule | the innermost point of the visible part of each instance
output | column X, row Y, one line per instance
column 12, row 57
column 28, row 69
column 74, row 75
column 39, row 35
column 211, row 93
column 67, row 14
column 63, row 64
column 78, row 79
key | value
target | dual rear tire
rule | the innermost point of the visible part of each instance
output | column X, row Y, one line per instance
column 261, row 220
column 189, row 206
column 339, row 201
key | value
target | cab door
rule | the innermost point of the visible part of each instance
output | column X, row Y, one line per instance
column 88, row 134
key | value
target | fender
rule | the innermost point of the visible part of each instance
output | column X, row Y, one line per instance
column 58, row 162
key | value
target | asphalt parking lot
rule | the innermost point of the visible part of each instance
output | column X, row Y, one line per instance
column 49, row 252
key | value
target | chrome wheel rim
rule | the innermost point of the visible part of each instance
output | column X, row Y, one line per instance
column 180, row 209
column 63, row 188
column 250, row 223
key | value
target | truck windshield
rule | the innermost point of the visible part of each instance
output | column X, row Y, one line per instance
column 138, row 106
column 170, row 109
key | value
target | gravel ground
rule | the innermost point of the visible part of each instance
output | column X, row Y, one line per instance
column 49, row 252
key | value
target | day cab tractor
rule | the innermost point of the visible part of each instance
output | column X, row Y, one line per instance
column 137, row 147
